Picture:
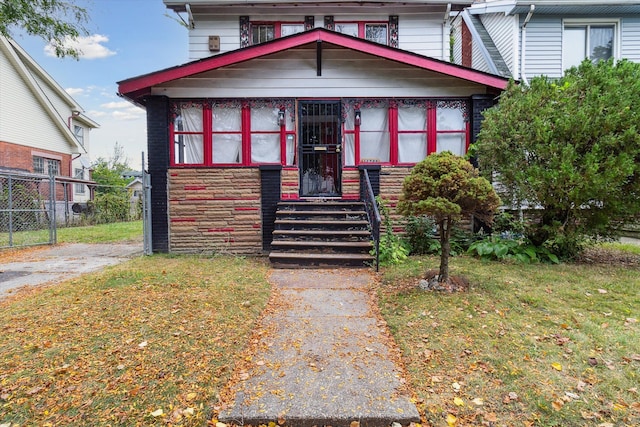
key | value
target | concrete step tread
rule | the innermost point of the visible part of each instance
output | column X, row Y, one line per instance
column 307, row 243
column 333, row 256
column 323, row 221
column 322, row 232
column 319, row 212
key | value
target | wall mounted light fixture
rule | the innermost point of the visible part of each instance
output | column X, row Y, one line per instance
column 281, row 118
column 358, row 118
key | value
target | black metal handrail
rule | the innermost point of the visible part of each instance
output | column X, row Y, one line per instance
column 371, row 206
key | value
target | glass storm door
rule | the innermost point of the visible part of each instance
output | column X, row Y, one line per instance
column 320, row 148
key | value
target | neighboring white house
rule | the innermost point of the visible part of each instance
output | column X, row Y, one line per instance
column 522, row 39
column 42, row 128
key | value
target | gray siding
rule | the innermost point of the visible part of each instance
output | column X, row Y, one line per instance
column 503, row 31
column 543, row 54
column 630, row 31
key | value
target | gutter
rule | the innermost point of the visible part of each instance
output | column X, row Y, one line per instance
column 523, row 44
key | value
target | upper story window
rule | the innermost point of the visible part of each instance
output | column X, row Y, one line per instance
column 373, row 31
column 594, row 40
column 265, row 31
column 78, row 131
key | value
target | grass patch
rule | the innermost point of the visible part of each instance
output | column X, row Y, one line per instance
column 549, row 345
column 102, row 233
column 622, row 247
column 111, row 348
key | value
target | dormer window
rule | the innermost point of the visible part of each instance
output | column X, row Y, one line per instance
column 373, row 31
column 265, row 31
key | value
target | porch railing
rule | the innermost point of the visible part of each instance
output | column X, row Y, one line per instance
column 371, row 206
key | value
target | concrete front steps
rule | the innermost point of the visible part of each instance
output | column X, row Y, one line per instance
column 321, row 234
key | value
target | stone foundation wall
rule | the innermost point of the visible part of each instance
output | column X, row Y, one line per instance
column 351, row 184
column 215, row 211
column 391, row 179
column 290, row 184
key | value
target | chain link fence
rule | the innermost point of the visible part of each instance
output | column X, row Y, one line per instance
column 33, row 206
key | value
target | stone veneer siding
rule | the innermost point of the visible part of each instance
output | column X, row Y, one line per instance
column 215, row 210
column 290, row 183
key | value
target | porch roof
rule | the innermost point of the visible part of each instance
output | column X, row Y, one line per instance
column 137, row 88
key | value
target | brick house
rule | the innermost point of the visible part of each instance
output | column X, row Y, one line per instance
column 42, row 128
column 290, row 101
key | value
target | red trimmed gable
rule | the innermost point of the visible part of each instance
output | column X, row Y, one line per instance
column 137, row 87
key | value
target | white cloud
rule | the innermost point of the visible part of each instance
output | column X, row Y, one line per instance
column 118, row 104
column 96, row 113
column 75, row 91
column 90, row 47
column 132, row 113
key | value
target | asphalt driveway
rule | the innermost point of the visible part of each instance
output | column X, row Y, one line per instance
column 62, row 262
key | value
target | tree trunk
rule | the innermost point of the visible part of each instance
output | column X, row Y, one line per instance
column 445, row 245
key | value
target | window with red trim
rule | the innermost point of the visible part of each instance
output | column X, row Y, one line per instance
column 373, row 31
column 226, row 133
column 404, row 133
column 265, row 31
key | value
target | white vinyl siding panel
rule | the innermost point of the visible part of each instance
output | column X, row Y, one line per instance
column 478, row 61
column 61, row 105
column 420, row 33
column 23, row 120
column 543, row 54
column 423, row 34
column 226, row 27
column 345, row 73
column 456, row 29
column 630, row 47
column 501, row 29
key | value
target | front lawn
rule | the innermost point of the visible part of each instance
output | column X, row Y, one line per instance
column 548, row 345
column 148, row 342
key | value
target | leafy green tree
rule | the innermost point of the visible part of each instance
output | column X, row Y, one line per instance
column 53, row 20
column 447, row 188
column 112, row 200
column 571, row 148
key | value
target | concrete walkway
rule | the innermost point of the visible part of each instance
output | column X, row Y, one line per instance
column 323, row 357
column 62, row 262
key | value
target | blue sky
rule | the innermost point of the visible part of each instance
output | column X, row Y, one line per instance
column 127, row 38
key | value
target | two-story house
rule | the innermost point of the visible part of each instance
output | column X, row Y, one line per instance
column 42, row 128
column 290, row 101
column 522, row 39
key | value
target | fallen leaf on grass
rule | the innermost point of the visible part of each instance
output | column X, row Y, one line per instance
column 157, row 413
column 451, row 420
column 354, row 424
column 602, row 291
column 556, row 366
column 457, row 401
column 557, row 404
column 456, row 386
column 478, row 401
column 143, row 344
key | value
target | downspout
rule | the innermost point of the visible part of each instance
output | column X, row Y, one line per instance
column 523, row 44
column 445, row 34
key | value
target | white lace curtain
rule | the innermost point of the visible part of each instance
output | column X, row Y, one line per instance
column 454, row 139
column 412, row 145
column 227, row 134
column 189, row 147
column 265, row 147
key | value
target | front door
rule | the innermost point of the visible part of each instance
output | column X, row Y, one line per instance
column 320, row 148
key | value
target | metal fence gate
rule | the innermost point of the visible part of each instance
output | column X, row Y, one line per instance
column 27, row 210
